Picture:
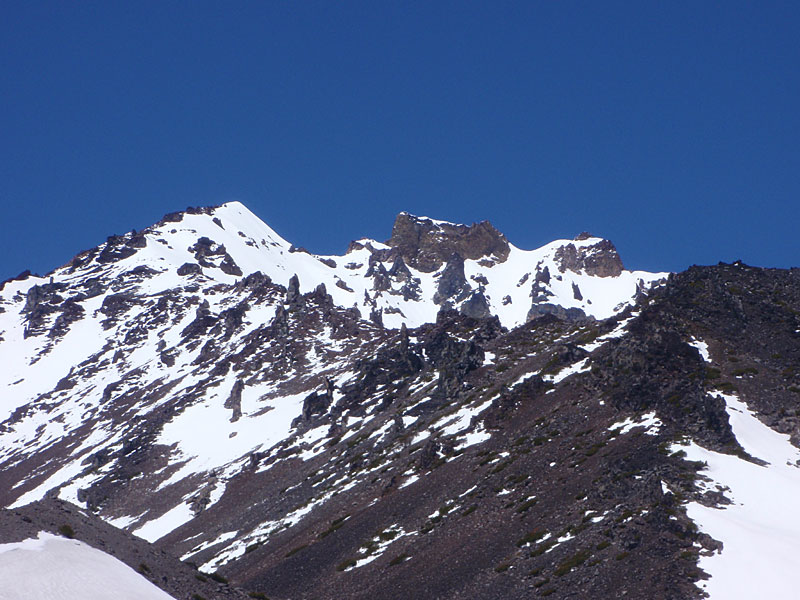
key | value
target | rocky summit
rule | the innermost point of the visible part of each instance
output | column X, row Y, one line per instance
column 443, row 415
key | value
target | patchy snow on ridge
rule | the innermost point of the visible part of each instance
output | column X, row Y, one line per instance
column 602, row 296
column 649, row 421
column 579, row 367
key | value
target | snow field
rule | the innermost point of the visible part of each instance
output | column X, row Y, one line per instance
column 760, row 530
column 54, row 568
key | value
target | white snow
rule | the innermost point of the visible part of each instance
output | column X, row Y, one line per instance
column 369, row 554
column 760, row 531
column 649, row 421
column 617, row 332
column 602, row 296
column 203, row 432
column 581, row 366
column 169, row 521
column 54, row 568
column 409, row 420
column 462, row 418
column 412, row 479
column 564, row 538
column 221, row 538
column 471, row 438
column 468, row 491
column 702, row 348
column 421, row 435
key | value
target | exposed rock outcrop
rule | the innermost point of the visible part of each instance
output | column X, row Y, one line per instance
column 426, row 244
column 453, row 286
column 600, row 259
column 539, row 309
column 234, row 401
column 476, row 306
column 294, row 300
column 189, row 269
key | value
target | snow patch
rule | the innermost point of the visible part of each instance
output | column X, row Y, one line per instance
column 649, row 421
column 56, row 568
column 702, row 348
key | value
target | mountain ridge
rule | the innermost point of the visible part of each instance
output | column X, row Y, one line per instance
column 220, row 393
column 581, row 259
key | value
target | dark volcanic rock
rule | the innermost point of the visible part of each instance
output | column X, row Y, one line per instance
column 189, row 269
column 206, row 251
column 476, row 306
column 601, row 259
column 118, row 247
column 399, row 270
column 317, row 403
column 376, row 316
column 379, row 274
column 539, row 309
column 229, row 266
column 116, row 306
column 38, row 295
column 202, row 322
column 328, row 262
column 462, row 459
column 453, row 285
column 426, row 245
column 234, row 401
column 542, row 275
column 71, row 312
column 293, row 298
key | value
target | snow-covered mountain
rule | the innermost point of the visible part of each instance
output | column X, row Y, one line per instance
column 426, row 264
column 129, row 316
column 263, row 411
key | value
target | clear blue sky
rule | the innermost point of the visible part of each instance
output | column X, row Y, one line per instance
column 671, row 128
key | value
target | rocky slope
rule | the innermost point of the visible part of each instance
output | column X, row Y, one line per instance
column 444, row 415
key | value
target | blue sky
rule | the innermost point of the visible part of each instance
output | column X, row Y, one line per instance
column 670, row 128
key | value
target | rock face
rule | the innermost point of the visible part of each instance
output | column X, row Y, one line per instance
column 234, row 401
column 476, row 306
column 118, row 247
column 540, row 309
column 426, row 244
column 601, row 259
column 293, row 299
column 189, row 269
column 453, row 285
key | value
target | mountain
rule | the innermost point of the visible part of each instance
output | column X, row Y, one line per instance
column 443, row 415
